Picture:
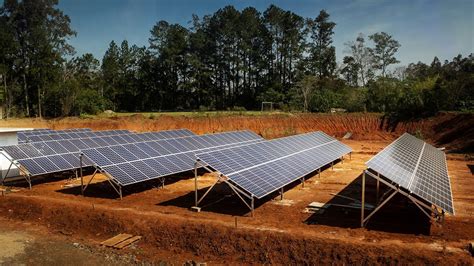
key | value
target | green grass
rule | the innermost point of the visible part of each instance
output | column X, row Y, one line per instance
column 152, row 115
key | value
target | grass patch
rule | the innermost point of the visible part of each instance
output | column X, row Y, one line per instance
column 153, row 115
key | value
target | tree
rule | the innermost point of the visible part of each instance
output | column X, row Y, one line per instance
column 285, row 37
column 169, row 42
column 362, row 58
column 384, row 51
column 350, row 70
column 322, row 52
column 41, row 32
column 110, row 73
column 306, row 87
column 8, row 50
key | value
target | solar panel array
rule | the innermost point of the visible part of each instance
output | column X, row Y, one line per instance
column 418, row 167
column 138, row 162
column 61, row 155
column 264, row 167
column 75, row 135
column 24, row 136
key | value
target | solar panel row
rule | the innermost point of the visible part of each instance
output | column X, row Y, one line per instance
column 31, row 150
column 54, row 156
column 23, row 135
column 75, row 135
column 418, row 167
column 264, row 167
column 133, row 163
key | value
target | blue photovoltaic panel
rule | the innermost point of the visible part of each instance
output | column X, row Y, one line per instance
column 60, row 135
column 418, row 167
column 265, row 167
column 138, row 162
column 42, row 157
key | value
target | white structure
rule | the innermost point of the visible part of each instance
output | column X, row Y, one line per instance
column 8, row 136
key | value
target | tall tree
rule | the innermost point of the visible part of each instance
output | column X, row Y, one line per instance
column 350, row 70
column 306, row 87
column 322, row 52
column 169, row 42
column 110, row 73
column 384, row 51
column 8, row 52
column 362, row 58
column 41, row 32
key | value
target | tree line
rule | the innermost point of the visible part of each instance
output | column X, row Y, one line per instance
column 231, row 59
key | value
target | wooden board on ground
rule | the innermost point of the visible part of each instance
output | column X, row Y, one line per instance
column 116, row 239
column 127, row 242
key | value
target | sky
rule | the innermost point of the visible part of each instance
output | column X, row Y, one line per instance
column 424, row 28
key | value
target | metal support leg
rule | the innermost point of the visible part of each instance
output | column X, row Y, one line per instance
column 253, row 207
column 82, row 177
column 236, row 191
column 120, row 192
column 377, row 192
column 195, row 185
column 8, row 171
column 90, row 180
column 379, row 206
column 28, row 179
column 205, row 194
column 332, row 165
column 421, row 208
column 281, row 194
column 362, row 209
column 319, row 172
column 302, row 182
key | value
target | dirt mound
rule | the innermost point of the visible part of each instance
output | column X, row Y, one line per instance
column 454, row 131
column 208, row 241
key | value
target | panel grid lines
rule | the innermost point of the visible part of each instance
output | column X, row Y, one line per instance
column 418, row 167
column 264, row 167
column 40, row 158
column 155, row 159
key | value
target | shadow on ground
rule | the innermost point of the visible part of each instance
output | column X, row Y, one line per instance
column 221, row 199
column 105, row 190
column 399, row 215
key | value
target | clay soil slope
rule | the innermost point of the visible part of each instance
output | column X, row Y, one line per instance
column 451, row 130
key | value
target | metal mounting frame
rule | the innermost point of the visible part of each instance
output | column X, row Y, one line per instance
column 238, row 191
column 221, row 179
column 25, row 175
column 434, row 214
column 117, row 187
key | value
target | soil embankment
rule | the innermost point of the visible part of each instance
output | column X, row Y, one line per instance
column 215, row 243
column 450, row 130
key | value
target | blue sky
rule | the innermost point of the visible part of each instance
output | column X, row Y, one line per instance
column 424, row 28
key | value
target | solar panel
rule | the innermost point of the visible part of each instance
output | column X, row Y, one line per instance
column 42, row 157
column 59, row 135
column 162, row 157
column 25, row 136
column 418, row 167
column 264, row 167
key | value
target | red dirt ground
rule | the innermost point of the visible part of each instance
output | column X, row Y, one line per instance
column 454, row 131
column 278, row 234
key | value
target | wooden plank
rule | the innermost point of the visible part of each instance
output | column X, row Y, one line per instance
column 116, row 239
column 127, row 242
